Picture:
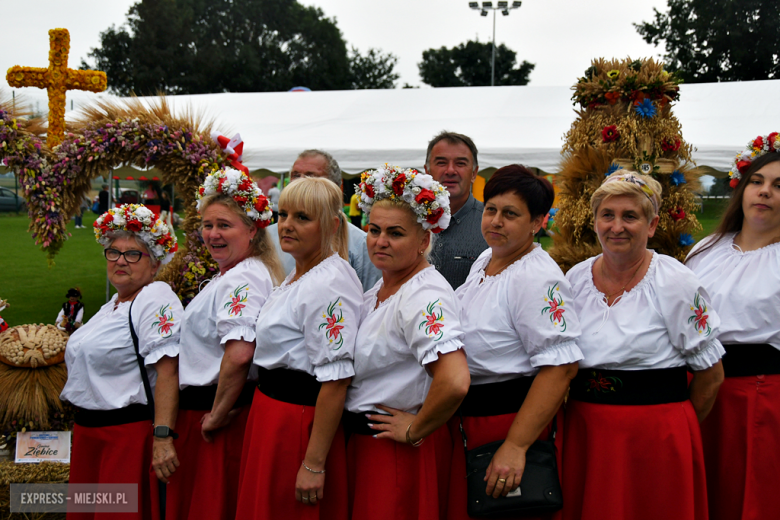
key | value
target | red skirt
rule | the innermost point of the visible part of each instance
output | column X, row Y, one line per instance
column 393, row 481
column 638, row 462
column 479, row 431
column 205, row 485
column 116, row 455
column 275, row 442
column 741, row 449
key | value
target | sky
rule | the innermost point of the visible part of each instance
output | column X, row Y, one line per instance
column 559, row 36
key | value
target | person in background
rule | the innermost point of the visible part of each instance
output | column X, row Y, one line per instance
column 273, row 197
column 451, row 159
column 103, row 196
column 632, row 446
column 316, row 163
column 740, row 267
column 166, row 209
column 355, row 215
column 150, row 195
column 71, row 316
column 84, row 206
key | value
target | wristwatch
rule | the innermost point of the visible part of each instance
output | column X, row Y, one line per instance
column 162, row 432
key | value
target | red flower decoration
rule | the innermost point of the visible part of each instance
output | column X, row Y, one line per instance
column 368, row 189
column 134, row 225
column 108, row 219
column 742, row 166
column 245, row 185
column 771, row 138
column 610, row 134
column 677, row 213
column 733, row 183
column 612, row 97
column 758, row 143
column 261, row 204
column 240, row 199
column 424, row 196
column 398, row 185
column 670, row 146
column 434, row 215
column 201, row 190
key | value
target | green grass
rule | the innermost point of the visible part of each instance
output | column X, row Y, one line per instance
column 36, row 291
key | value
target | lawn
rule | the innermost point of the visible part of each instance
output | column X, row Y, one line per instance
column 36, row 292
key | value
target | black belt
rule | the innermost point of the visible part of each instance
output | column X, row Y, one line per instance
column 99, row 418
column 201, row 398
column 289, row 386
column 630, row 387
column 358, row 422
column 750, row 359
column 496, row 398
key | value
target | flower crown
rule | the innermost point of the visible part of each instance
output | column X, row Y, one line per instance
column 243, row 190
column 429, row 200
column 141, row 221
column 755, row 148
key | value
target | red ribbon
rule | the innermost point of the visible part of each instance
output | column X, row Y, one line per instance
column 234, row 148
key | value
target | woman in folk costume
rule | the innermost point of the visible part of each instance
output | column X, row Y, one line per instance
column 112, row 438
column 410, row 370
column 217, row 344
column 632, row 447
column 293, row 463
column 521, row 334
column 740, row 267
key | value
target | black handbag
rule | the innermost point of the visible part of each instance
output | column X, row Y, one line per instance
column 539, row 491
column 161, row 488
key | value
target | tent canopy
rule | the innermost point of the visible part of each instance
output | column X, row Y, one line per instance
column 366, row 128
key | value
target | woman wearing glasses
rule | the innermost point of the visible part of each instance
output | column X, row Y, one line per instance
column 138, row 329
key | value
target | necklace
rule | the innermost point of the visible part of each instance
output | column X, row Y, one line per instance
column 622, row 289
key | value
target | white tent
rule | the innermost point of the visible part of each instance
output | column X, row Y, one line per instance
column 365, row 128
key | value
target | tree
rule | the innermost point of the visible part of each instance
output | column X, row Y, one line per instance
column 469, row 65
column 374, row 70
column 718, row 40
column 201, row 46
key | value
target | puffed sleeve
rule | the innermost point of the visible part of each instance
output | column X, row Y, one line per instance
column 157, row 314
column 80, row 315
column 543, row 315
column 429, row 316
column 58, row 321
column 691, row 322
column 241, row 293
column 330, row 314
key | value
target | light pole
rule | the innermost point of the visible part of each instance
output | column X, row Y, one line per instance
column 504, row 7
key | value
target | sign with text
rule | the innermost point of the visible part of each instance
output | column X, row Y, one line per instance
column 34, row 447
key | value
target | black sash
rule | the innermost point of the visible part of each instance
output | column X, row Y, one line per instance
column 630, row 387
column 100, row 418
column 201, row 398
column 750, row 359
column 358, row 422
column 496, row 398
column 289, row 386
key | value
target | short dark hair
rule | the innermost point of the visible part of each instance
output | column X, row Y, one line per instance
column 537, row 192
column 452, row 138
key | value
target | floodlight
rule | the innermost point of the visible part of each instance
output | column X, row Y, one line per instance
column 474, row 5
column 487, row 5
column 503, row 4
column 483, row 13
column 516, row 4
column 505, row 12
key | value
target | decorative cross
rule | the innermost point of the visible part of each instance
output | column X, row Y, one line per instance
column 645, row 164
column 57, row 79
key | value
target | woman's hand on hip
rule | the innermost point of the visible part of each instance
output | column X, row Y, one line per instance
column 309, row 486
column 164, row 459
column 505, row 470
column 391, row 426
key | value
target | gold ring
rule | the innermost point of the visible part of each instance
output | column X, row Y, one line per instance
column 304, row 498
column 502, row 480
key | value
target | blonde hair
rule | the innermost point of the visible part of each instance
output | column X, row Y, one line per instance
column 321, row 200
column 401, row 204
column 617, row 189
column 262, row 247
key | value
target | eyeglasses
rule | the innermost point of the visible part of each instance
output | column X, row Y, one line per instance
column 131, row 256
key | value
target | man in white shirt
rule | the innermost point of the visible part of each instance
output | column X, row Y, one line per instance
column 273, row 198
column 316, row 163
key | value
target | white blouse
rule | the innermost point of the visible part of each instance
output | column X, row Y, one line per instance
column 744, row 287
column 103, row 371
column 518, row 320
column 398, row 338
column 664, row 321
column 311, row 324
column 225, row 309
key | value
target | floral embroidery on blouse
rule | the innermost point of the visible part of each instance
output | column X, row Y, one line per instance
column 598, row 384
column 332, row 327
column 164, row 321
column 237, row 300
column 555, row 308
column 433, row 322
column 699, row 319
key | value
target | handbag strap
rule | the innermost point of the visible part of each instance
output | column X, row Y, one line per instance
column 141, row 365
column 553, row 431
